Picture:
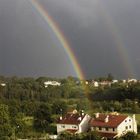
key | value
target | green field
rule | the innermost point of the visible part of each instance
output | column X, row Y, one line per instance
column 138, row 118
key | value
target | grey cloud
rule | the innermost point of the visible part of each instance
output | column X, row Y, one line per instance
column 29, row 47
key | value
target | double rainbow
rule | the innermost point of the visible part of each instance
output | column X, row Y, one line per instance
column 48, row 19
column 72, row 57
column 118, row 39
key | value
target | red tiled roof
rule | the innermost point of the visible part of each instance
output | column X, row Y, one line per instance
column 113, row 120
column 71, row 118
column 107, row 135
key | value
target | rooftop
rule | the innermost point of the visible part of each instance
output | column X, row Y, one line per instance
column 71, row 118
column 113, row 120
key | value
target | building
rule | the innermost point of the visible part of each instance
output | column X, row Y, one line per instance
column 3, row 84
column 114, row 81
column 105, row 83
column 95, row 83
column 51, row 83
column 73, row 122
column 113, row 125
column 132, row 80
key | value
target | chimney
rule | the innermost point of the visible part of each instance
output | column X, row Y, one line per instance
column 74, row 111
column 97, row 115
column 134, row 117
column 61, row 118
column 83, row 113
column 79, row 119
column 107, row 119
column 117, row 114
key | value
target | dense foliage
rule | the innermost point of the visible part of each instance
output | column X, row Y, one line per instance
column 83, row 136
column 118, row 92
column 30, row 109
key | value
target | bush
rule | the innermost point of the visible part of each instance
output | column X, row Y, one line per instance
column 4, row 138
column 129, row 136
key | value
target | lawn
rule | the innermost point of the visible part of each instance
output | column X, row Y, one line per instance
column 28, row 121
column 138, row 118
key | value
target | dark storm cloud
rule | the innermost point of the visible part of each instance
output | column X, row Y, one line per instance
column 28, row 46
column 87, row 26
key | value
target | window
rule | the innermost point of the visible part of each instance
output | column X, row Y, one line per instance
column 125, row 120
column 106, row 128
column 74, row 127
column 63, row 126
column 113, row 129
column 126, row 127
column 130, row 126
column 129, row 120
column 100, row 128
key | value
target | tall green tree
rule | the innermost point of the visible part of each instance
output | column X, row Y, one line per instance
column 59, row 107
column 110, row 77
column 5, row 127
column 42, row 118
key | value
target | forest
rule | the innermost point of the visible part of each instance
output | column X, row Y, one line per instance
column 29, row 109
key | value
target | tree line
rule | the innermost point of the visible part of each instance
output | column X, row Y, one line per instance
column 30, row 109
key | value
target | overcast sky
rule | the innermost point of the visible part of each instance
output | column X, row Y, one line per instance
column 104, row 34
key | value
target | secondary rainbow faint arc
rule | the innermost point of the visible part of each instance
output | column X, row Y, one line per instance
column 118, row 40
column 44, row 13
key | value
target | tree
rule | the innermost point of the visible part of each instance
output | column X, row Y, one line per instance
column 110, row 77
column 66, row 136
column 129, row 136
column 5, row 127
column 42, row 118
column 4, row 114
column 92, row 135
column 59, row 107
column 5, row 130
column 4, row 138
column 83, row 136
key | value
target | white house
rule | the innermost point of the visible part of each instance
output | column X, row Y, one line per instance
column 114, row 81
column 124, row 81
column 73, row 122
column 105, row 83
column 132, row 80
column 52, row 83
column 3, row 84
column 95, row 83
column 113, row 125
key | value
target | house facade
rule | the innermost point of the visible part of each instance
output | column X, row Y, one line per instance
column 73, row 122
column 3, row 84
column 113, row 125
column 51, row 83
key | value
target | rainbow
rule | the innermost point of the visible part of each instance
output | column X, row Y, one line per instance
column 48, row 19
column 122, row 51
column 114, row 30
